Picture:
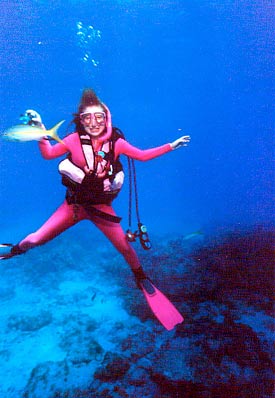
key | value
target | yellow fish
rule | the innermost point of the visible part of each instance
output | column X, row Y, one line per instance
column 24, row 132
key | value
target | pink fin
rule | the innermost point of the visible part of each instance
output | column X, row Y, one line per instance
column 163, row 309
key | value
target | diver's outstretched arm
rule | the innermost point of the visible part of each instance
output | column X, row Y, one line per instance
column 125, row 148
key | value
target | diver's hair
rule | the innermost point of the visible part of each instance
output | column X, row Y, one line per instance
column 88, row 98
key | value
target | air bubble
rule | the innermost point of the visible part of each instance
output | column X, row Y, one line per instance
column 95, row 63
column 87, row 39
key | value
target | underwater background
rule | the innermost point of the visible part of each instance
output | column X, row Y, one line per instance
column 72, row 322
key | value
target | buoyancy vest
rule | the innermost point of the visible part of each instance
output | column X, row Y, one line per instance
column 104, row 181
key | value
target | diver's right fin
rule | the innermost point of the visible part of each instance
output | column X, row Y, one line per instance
column 15, row 251
column 7, row 255
column 162, row 308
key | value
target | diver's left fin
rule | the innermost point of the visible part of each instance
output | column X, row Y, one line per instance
column 162, row 308
column 6, row 244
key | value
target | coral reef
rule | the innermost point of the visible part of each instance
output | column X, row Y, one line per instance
column 82, row 329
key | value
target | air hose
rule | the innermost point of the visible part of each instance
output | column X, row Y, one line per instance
column 141, row 232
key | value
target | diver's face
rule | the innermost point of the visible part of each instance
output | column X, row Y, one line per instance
column 93, row 119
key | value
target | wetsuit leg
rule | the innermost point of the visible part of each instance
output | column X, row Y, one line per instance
column 62, row 219
column 114, row 232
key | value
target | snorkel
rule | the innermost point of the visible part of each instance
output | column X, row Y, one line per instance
column 106, row 135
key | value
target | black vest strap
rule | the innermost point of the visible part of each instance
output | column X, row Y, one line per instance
column 96, row 212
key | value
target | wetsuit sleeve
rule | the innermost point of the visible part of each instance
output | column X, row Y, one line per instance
column 49, row 151
column 123, row 147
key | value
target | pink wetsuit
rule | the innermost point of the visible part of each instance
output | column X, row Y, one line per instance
column 63, row 218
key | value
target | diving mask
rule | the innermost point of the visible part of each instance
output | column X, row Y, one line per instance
column 98, row 117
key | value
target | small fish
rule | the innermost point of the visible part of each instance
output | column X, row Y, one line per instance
column 192, row 235
column 23, row 133
column 93, row 296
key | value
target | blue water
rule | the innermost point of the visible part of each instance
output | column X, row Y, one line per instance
column 165, row 68
column 202, row 67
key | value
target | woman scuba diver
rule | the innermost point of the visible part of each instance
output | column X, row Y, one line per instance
column 93, row 176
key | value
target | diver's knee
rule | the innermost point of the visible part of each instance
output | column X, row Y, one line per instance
column 30, row 241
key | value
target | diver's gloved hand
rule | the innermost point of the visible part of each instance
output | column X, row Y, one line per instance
column 182, row 141
column 32, row 118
